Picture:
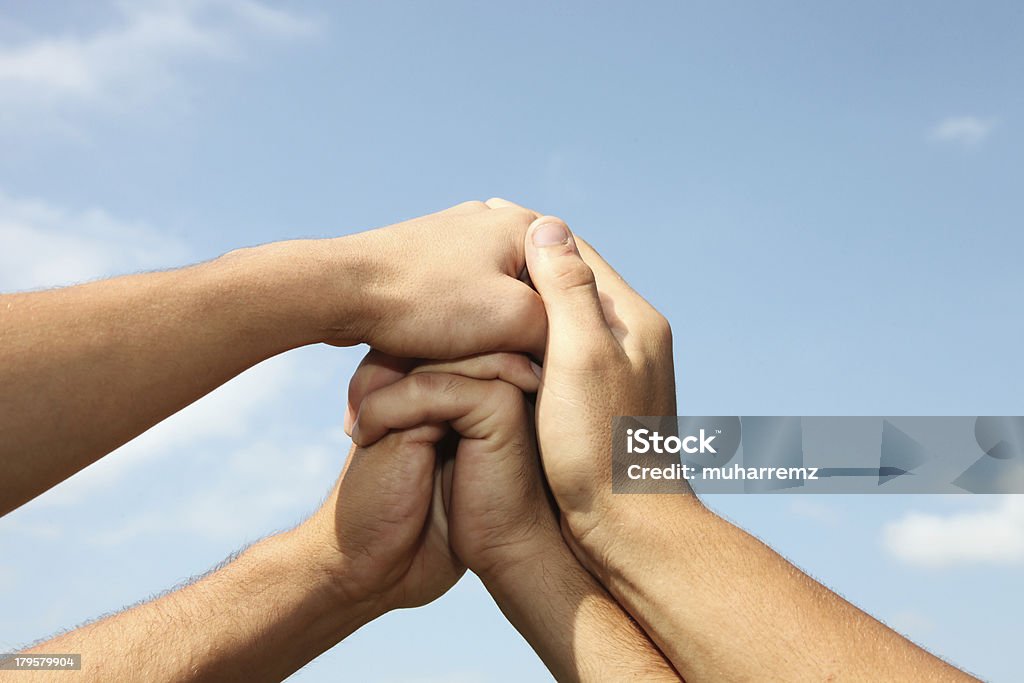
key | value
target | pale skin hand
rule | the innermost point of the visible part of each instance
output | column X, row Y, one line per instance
column 501, row 521
column 719, row 603
column 84, row 369
column 379, row 542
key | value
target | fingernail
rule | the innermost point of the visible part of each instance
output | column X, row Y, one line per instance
column 537, row 370
column 550, row 233
column 355, row 433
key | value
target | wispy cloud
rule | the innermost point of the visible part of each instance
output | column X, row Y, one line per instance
column 45, row 245
column 137, row 55
column 963, row 130
column 993, row 535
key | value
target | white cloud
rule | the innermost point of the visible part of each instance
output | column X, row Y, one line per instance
column 963, row 130
column 993, row 535
column 44, row 246
column 138, row 55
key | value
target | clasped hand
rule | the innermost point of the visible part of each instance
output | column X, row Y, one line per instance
column 495, row 463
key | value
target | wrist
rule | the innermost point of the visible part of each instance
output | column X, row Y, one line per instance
column 319, row 566
column 304, row 291
column 622, row 527
column 517, row 568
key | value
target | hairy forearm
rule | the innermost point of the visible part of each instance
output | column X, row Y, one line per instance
column 84, row 369
column 571, row 621
column 260, row 618
column 724, row 606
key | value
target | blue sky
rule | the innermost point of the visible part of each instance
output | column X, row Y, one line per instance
column 825, row 201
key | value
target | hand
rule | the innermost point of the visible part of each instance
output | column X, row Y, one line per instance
column 441, row 286
column 608, row 353
column 382, row 534
column 501, row 520
column 499, row 512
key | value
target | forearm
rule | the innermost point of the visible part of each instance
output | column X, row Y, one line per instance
column 723, row 605
column 84, row 369
column 260, row 618
column 571, row 621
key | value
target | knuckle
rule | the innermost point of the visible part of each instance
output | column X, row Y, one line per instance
column 429, row 385
column 657, row 333
column 450, row 385
column 367, row 412
column 361, row 378
column 659, row 327
column 523, row 307
column 423, row 384
column 474, row 204
column 506, row 396
column 573, row 274
column 356, row 391
column 514, row 214
column 519, row 364
column 509, row 364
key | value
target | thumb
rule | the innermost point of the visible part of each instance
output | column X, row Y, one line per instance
column 567, row 287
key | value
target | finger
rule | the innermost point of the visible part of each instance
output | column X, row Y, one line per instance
column 437, row 524
column 609, row 282
column 608, row 279
column 433, row 398
column 379, row 369
column 635, row 322
column 567, row 286
column 619, row 302
column 392, row 482
column 376, row 370
column 515, row 368
column 447, row 472
column 499, row 203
